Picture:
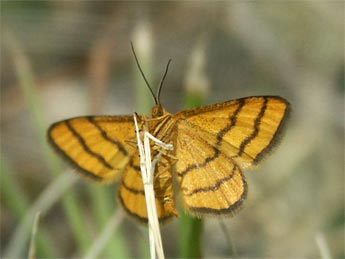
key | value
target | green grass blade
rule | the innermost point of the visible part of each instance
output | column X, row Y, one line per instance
column 18, row 204
column 27, row 85
column 103, row 199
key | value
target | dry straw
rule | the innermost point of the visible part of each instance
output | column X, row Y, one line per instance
column 147, row 166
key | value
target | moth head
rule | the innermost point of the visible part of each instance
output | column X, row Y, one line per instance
column 157, row 111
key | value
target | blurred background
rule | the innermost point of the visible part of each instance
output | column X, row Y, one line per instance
column 61, row 59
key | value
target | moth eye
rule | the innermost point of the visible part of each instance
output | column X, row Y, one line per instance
column 157, row 111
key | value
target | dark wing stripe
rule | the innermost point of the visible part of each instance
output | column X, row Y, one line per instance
column 73, row 163
column 139, row 218
column 230, row 210
column 254, row 134
column 275, row 137
column 194, row 166
column 106, row 136
column 86, row 147
column 135, row 167
column 233, row 120
column 220, row 135
column 214, row 187
column 132, row 190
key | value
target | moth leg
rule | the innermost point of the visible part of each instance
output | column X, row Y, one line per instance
column 158, row 118
column 172, row 158
column 132, row 142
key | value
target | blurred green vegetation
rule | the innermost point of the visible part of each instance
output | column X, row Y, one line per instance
column 61, row 59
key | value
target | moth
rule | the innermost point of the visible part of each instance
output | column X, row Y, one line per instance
column 212, row 145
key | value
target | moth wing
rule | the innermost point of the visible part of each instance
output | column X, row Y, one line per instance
column 210, row 181
column 245, row 129
column 97, row 145
column 132, row 194
column 213, row 143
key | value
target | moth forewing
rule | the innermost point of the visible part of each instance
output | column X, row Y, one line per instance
column 214, row 142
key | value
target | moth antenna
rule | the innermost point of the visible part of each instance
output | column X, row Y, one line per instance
column 162, row 80
column 143, row 75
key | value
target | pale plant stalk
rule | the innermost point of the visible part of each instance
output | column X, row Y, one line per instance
column 321, row 242
column 47, row 198
column 102, row 240
column 32, row 246
column 147, row 166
